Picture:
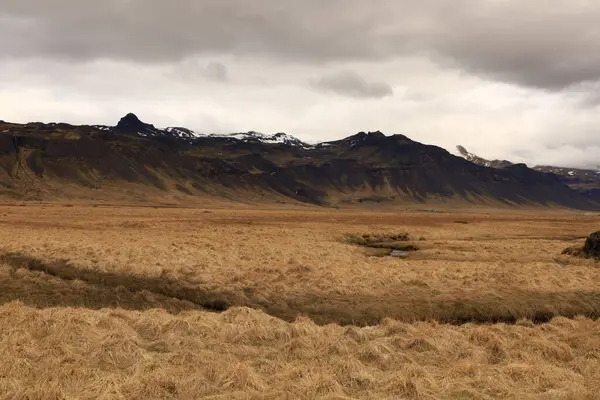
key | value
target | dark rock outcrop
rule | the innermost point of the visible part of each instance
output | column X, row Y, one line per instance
column 132, row 124
column 592, row 245
column 591, row 248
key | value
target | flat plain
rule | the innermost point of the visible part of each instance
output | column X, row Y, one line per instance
column 186, row 303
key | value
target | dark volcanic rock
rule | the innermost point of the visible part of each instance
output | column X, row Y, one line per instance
column 591, row 248
column 365, row 139
column 592, row 245
column 132, row 124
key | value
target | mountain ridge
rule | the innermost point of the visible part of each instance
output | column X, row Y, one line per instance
column 41, row 161
column 131, row 124
column 584, row 181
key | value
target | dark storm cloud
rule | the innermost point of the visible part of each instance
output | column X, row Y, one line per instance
column 350, row 84
column 543, row 43
column 164, row 30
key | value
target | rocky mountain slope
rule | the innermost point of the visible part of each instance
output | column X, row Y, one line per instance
column 585, row 181
column 136, row 160
column 482, row 161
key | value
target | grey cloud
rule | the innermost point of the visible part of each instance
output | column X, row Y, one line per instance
column 549, row 44
column 216, row 71
column 160, row 31
column 192, row 70
column 585, row 95
column 552, row 44
column 350, row 84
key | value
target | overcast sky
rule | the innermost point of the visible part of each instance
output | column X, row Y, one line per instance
column 509, row 79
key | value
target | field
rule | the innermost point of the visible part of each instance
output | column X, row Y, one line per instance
column 186, row 303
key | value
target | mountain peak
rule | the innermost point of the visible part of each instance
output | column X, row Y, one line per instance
column 482, row 161
column 364, row 138
column 130, row 118
column 130, row 123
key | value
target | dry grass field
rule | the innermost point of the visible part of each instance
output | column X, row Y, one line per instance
column 167, row 303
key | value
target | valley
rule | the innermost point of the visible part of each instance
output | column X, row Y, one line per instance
column 239, row 302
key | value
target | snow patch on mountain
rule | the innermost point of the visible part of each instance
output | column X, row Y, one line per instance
column 251, row 136
column 183, row 133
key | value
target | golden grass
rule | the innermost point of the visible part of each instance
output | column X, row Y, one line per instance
column 120, row 303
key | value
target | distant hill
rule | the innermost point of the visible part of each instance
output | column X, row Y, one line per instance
column 585, row 181
column 134, row 160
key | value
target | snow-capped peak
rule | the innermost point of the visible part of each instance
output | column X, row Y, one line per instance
column 482, row 161
column 468, row 156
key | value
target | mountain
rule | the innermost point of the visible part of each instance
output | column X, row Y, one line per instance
column 585, row 181
column 135, row 161
column 482, row 161
column 251, row 136
column 131, row 124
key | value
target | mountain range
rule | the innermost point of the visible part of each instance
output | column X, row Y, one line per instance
column 135, row 161
column 585, row 181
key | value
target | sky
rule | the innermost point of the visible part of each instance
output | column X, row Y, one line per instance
column 507, row 79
